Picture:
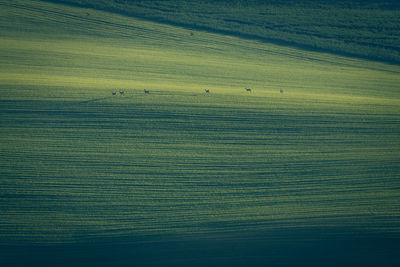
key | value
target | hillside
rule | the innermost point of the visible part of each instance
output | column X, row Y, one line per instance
column 306, row 176
column 368, row 29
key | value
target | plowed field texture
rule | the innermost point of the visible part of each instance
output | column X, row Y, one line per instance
column 303, row 170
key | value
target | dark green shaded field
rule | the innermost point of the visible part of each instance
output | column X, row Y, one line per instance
column 363, row 28
column 257, row 181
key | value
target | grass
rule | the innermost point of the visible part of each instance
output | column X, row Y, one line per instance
column 368, row 29
column 79, row 165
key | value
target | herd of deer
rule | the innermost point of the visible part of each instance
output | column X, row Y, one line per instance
column 206, row 90
column 120, row 92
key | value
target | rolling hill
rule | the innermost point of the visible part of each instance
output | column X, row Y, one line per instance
column 363, row 28
column 180, row 177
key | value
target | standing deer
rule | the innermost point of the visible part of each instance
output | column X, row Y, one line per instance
column 114, row 93
column 207, row 91
column 121, row 92
column 146, row 91
column 281, row 91
column 248, row 89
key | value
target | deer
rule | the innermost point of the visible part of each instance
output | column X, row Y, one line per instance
column 146, row 91
column 207, row 91
column 248, row 89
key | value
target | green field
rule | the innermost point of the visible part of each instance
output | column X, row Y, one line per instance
column 363, row 28
column 78, row 164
